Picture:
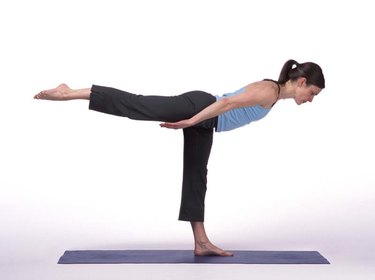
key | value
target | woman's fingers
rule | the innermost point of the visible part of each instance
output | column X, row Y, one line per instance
column 176, row 125
column 170, row 125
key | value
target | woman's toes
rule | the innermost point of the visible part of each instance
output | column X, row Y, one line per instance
column 58, row 93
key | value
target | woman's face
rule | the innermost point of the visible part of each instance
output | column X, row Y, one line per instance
column 305, row 93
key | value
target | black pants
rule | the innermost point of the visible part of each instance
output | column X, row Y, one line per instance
column 197, row 139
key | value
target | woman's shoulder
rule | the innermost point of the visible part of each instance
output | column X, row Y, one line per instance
column 267, row 91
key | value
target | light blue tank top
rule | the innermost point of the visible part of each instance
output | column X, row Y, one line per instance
column 240, row 116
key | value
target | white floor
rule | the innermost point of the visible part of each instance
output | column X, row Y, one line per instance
column 48, row 270
column 43, row 265
column 33, row 239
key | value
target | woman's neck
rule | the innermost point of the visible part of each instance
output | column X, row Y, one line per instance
column 287, row 90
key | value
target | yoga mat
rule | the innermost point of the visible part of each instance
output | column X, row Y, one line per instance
column 187, row 256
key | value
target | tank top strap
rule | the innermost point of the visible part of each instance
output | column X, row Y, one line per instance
column 278, row 93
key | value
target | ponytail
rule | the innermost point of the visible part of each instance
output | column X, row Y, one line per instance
column 309, row 70
column 284, row 74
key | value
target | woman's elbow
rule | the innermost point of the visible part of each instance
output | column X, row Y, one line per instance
column 227, row 104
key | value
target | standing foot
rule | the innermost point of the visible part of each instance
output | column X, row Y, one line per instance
column 208, row 249
column 59, row 93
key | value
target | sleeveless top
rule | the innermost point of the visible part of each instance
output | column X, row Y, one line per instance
column 238, row 117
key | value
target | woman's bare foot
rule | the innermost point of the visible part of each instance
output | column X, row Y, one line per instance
column 59, row 93
column 63, row 92
column 203, row 246
column 209, row 249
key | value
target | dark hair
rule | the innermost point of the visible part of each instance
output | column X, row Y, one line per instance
column 309, row 70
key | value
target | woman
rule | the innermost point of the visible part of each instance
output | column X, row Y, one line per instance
column 199, row 113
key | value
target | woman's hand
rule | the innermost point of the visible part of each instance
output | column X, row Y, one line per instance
column 177, row 125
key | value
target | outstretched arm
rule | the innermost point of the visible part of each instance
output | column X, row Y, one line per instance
column 213, row 110
column 249, row 97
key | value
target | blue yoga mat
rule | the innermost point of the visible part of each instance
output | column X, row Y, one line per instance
column 187, row 256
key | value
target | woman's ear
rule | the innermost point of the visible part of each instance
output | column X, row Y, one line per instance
column 301, row 82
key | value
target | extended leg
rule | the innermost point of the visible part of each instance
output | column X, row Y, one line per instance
column 134, row 106
column 140, row 107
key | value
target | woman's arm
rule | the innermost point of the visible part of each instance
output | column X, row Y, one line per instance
column 252, row 96
column 213, row 110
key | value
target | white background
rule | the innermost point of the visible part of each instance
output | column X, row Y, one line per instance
column 300, row 179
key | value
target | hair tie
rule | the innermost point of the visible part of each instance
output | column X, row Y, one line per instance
column 295, row 65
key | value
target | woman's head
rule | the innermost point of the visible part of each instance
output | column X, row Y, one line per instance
column 306, row 79
column 292, row 70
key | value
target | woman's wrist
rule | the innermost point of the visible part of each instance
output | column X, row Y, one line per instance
column 192, row 121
